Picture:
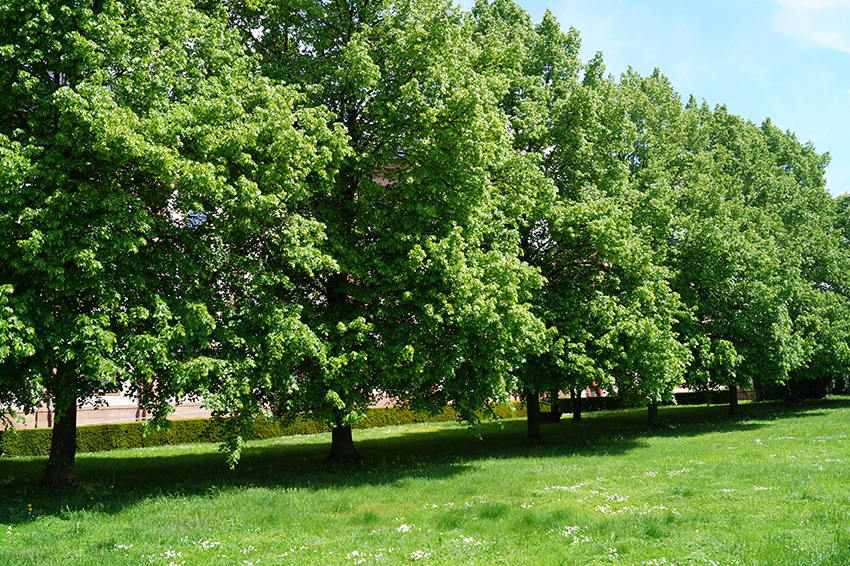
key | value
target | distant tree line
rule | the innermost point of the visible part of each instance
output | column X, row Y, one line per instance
column 299, row 205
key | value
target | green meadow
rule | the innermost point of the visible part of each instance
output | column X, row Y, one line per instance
column 768, row 487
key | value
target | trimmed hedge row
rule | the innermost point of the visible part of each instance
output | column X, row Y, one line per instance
column 720, row 397
column 98, row 438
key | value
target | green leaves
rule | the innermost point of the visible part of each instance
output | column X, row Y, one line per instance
column 152, row 188
column 438, row 205
column 430, row 301
column 14, row 336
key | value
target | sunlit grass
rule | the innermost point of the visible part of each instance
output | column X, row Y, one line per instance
column 765, row 488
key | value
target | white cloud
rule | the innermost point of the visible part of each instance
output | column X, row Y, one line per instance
column 822, row 22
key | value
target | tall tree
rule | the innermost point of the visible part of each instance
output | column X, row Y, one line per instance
column 429, row 304
column 606, row 292
column 153, row 173
column 754, row 253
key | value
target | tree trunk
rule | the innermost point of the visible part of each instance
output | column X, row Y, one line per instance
column 532, row 403
column 575, row 400
column 342, row 445
column 554, row 405
column 733, row 399
column 652, row 414
column 63, row 443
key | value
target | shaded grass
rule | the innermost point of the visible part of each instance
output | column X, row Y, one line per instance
column 767, row 487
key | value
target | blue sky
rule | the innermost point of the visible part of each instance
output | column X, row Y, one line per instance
column 788, row 60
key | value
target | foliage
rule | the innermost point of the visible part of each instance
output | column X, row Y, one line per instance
column 755, row 255
column 297, row 205
column 429, row 304
column 153, row 175
column 606, row 293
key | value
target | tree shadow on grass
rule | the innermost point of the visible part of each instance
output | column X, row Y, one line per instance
column 111, row 482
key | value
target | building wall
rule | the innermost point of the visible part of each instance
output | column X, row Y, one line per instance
column 118, row 409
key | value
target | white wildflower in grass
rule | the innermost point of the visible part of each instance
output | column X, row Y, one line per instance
column 527, row 505
column 572, row 488
column 123, row 546
column 206, row 544
column 575, row 534
column 615, row 497
column 419, row 554
column 645, row 510
column 403, row 528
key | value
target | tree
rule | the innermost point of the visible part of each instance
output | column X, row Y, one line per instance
column 754, row 254
column 153, row 173
column 606, row 292
column 819, row 308
column 429, row 305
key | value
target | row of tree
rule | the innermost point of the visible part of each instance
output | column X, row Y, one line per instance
column 285, row 205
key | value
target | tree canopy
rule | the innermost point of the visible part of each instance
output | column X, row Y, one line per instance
column 430, row 301
column 309, row 206
column 151, row 171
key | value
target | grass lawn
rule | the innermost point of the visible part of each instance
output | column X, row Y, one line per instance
column 770, row 487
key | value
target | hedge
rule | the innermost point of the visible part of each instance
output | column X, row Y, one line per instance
column 98, row 438
column 720, row 397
